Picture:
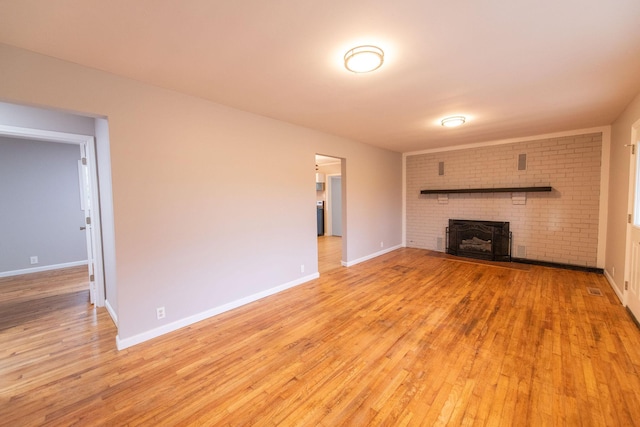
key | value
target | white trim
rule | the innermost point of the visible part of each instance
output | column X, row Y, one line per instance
column 598, row 129
column 371, row 256
column 178, row 324
column 96, row 223
column 44, row 135
column 42, row 268
column 112, row 312
column 615, row 287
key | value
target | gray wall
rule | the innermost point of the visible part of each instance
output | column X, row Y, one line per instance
column 212, row 205
column 40, row 211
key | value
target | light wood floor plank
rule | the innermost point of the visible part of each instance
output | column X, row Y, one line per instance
column 409, row 338
column 329, row 253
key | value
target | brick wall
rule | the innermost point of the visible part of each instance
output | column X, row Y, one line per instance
column 560, row 226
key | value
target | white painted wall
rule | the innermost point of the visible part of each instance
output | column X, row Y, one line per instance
column 561, row 226
column 40, row 211
column 211, row 205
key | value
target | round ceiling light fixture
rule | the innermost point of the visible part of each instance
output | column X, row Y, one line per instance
column 453, row 121
column 363, row 59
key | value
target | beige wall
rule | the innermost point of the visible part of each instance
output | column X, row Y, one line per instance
column 618, row 194
column 560, row 226
column 212, row 205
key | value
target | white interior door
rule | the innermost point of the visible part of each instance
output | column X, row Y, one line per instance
column 632, row 293
column 88, row 228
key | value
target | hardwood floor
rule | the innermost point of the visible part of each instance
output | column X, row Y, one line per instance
column 329, row 253
column 404, row 339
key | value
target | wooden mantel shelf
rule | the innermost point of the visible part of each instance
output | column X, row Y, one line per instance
column 489, row 190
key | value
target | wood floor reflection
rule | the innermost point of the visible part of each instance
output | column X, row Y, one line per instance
column 329, row 253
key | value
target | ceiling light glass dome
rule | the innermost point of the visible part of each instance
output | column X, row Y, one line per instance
column 363, row 59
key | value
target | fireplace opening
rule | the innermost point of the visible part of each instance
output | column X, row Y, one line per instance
column 490, row 240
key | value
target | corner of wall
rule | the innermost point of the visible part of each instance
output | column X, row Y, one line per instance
column 604, row 197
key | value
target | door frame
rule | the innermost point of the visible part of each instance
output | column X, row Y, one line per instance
column 635, row 136
column 327, row 208
column 89, row 145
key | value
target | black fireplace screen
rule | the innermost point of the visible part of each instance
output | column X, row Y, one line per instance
column 489, row 240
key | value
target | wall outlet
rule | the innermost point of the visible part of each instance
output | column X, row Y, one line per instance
column 382, row 244
column 34, row 260
column 613, row 271
column 160, row 313
column 301, row 268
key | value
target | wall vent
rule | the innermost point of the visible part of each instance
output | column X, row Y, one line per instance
column 441, row 168
column 522, row 162
column 594, row 291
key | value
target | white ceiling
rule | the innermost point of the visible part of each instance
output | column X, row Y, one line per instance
column 326, row 160
column 515, row 68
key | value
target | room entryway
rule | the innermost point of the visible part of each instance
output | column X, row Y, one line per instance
column 88, row 202
column 329, row 197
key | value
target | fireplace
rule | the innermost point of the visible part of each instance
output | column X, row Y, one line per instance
column 488, row 240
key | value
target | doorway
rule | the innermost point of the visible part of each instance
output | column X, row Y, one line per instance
column 88, row 175
column 330, row 195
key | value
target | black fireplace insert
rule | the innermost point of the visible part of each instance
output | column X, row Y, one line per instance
column 490, row 240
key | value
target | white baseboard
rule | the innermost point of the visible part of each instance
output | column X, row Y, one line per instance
column 368, row 257
column 111, row 312
column 614, row 286
column 178, row 324
column 42, row 268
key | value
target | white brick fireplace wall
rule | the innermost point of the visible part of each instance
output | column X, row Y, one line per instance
column 559, row 226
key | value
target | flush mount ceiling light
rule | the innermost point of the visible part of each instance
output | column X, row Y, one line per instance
column 363, row 59
column 453, row 121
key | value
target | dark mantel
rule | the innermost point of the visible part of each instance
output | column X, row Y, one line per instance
column 489, row 190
